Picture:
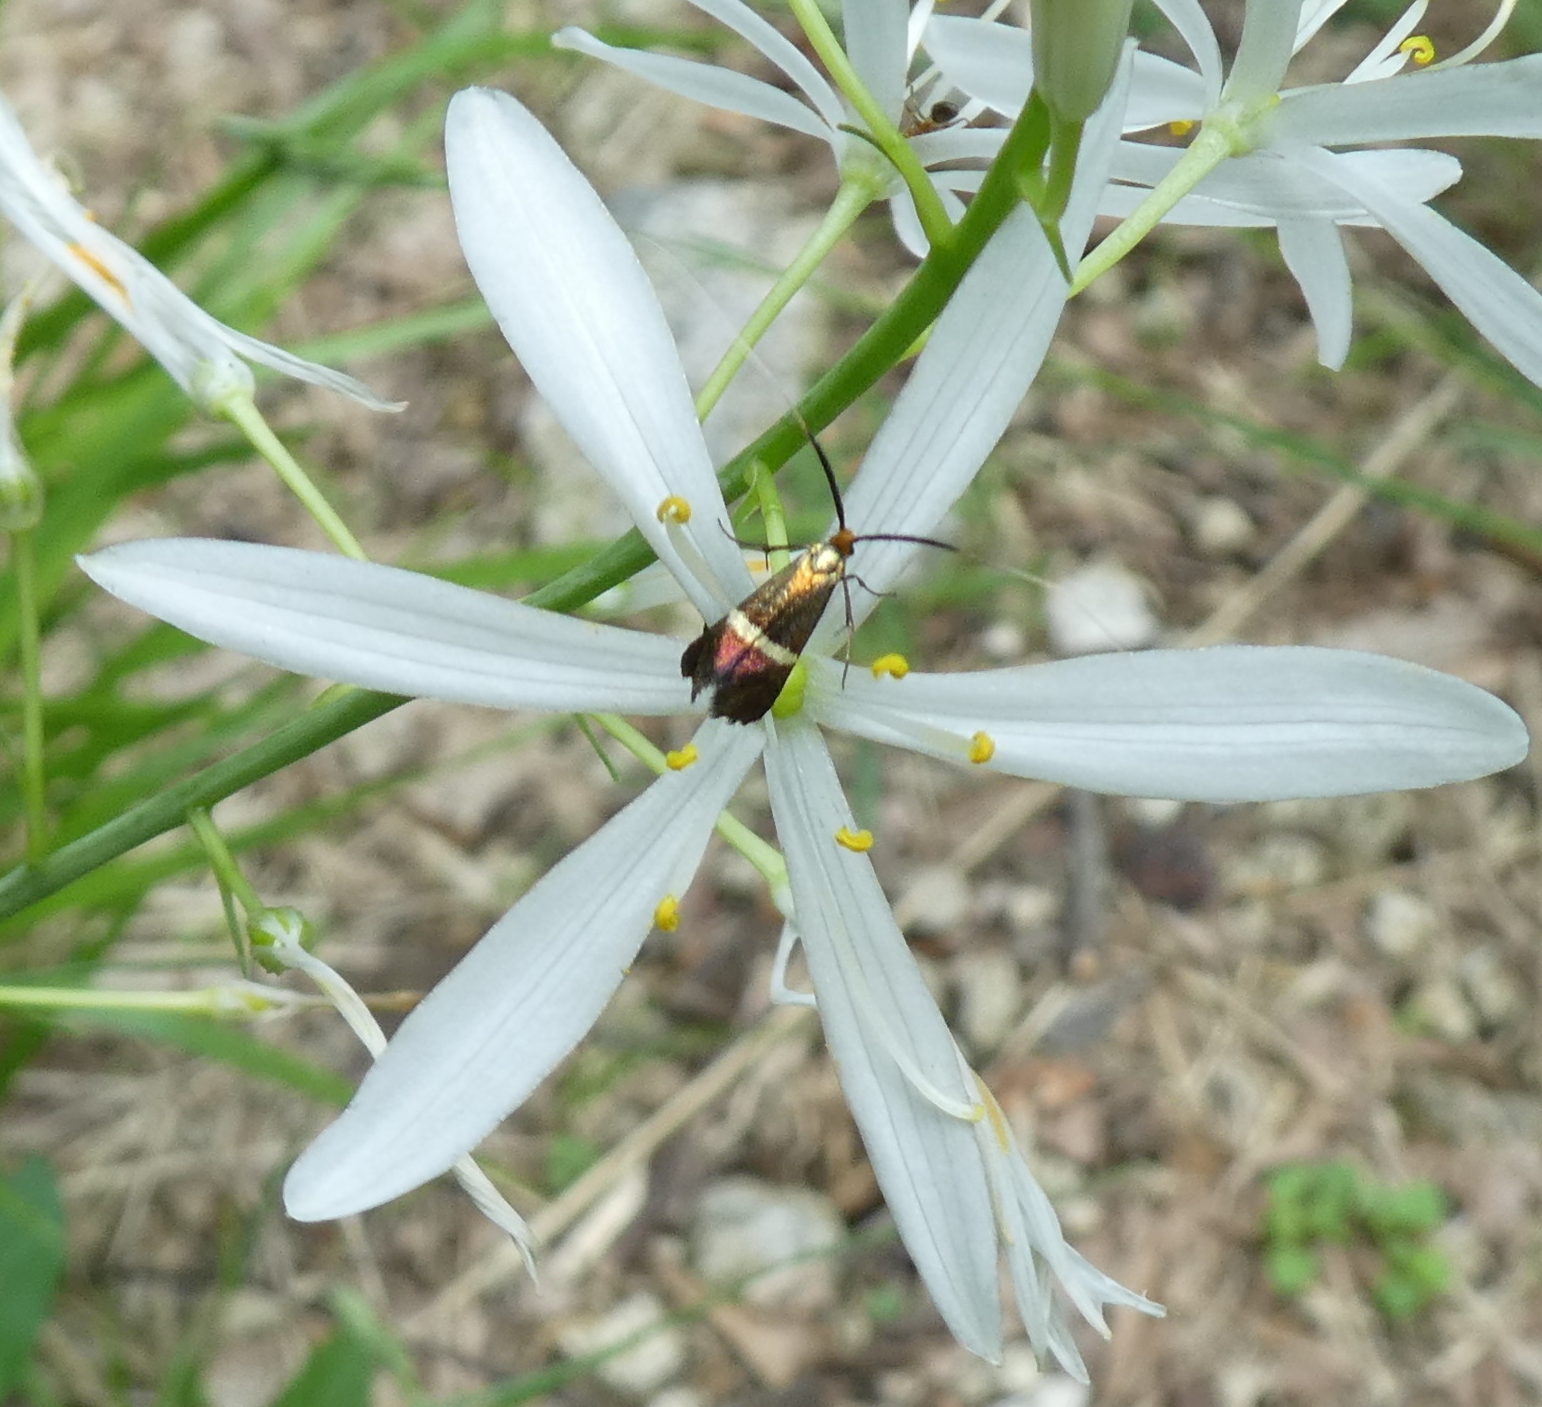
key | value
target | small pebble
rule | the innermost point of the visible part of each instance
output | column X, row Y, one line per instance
column 1097, row 608
column 643, row 1368
column 1400, row 923
column 743, row 1226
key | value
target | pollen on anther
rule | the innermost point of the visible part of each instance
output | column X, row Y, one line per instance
column 679, row 760
column 100, row 269
column 674, row 509
column 982, row 747
column 1182, row 127
column 666, row 918
column 896, row 666
column 859, row 841
column 1419, row 47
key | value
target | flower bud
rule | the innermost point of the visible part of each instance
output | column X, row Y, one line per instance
column 1076, row 45
column 21, row 491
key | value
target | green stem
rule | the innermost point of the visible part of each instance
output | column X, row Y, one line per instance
column 243, row 413
column 29, row 649
column 205, row 1001
column 880, row 127
column 879, row 349
column 233, row 885
column 1215, row 143
column 850, row 201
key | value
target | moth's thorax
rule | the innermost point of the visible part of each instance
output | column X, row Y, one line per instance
column 825, row 561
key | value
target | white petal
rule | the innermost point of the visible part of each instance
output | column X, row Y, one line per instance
column 1190, row 20
column 383, row 628
column 1476, row 100
column 781, row 51
column 1313, row 251
column 876, row 43
column 522, row 998
column 579, row 312
column 983, row 354
column 926, row 1161
column 189, row 342
column 1232, row 723
column 1497, row 301
column 993, row 63
column 988, row 61
column 702, row 83
column 1266, row 186
column 1267, row 43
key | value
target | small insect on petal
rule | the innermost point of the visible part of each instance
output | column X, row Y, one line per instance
column 682, row 758
column 982, row 747
column 674, row 509
column 666, row 918
column 896, row 666
column 858, row 841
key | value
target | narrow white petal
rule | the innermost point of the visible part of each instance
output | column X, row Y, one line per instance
column 1313, row 251
column 579, row 312
column 1267, row 43
column 1497, row 301
column 1266, row 186
column 522, row 997
column 993, row 63
column 982, row 356
column 781, row 51
column 876, row 43
column 1232, row 723
column 1476, row 100
column 1190, row 20
column 702, row 83
column 990, row 62
column 384, row 628
column 185, row 339
column 926, row 1161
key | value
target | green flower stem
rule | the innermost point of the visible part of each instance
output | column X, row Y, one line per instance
column 1218, row 139
column 880, row 127
column 234, row 886
column 242, row 412
column 771, row 515
column 853, row 197
column 29, row 650
column 203, row 1001
column 880, row 348
column 766, row 858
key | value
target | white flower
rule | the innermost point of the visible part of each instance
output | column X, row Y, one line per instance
column 1223, row 724
column 1271, row 154
column 201, row 354
column 881, row 45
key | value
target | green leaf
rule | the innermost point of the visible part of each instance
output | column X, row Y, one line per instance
column 32, row 1255
column 339, row 1373
column 1291, row 1269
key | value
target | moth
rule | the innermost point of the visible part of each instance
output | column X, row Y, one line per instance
column 746, row 657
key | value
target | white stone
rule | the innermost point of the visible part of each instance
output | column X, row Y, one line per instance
column 1221, row 527
column 1400, row 923
column 990, row 996
column 936, row 899
column 650, row 1363
column 743, row 1226
column 1099, row 607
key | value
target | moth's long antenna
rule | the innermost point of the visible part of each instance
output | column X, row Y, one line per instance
column 824, row 463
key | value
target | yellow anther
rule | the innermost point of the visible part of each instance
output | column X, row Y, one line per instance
column 894, row 665
column 674, row 509
column 860, row 841
column 982, row 747
column 1182, row 127
column 666, row 918
column 1419, row 48
column 683, row 758
column 97, row 267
